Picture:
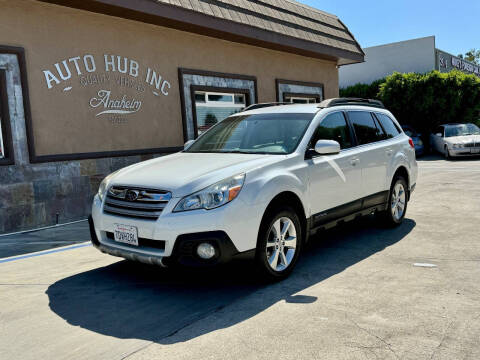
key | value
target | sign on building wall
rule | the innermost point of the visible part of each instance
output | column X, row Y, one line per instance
column 447, row 62
column 103, row 102
column 108, row 78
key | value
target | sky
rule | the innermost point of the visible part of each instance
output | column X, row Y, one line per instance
column 455, row 23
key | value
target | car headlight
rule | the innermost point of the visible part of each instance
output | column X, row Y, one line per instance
column 213, row 196
column 102, row 189
column 458, row 146
column 420, row 143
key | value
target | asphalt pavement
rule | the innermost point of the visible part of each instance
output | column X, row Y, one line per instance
column 360, row 291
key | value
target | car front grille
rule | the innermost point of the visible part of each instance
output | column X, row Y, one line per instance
column 136, row 202
column 470, row 145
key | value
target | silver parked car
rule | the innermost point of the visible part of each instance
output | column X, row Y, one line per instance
column 454, row 140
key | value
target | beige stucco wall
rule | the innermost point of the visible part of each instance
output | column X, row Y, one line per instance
column 63, row 118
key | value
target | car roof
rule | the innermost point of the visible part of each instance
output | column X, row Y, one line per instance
column 290, row 108
column 308, row 109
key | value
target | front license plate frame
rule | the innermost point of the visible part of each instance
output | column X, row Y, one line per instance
column 126, row 234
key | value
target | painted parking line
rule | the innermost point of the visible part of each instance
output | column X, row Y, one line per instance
column 40, row 253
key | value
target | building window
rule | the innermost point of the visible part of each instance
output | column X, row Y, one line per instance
column 299, row 92
column 234, row 91
column 301, row 98
column 6, row 148
column 213, row 107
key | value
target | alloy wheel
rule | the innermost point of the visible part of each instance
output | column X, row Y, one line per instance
column 281, row 244
column 398, row 201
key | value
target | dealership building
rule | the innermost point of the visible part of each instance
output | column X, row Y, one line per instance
column 87, row 87
column 417, row 55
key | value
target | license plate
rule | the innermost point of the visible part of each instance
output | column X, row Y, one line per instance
column 475, row 151
column 126, row 234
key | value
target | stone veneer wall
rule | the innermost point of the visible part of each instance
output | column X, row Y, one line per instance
column 32, row 194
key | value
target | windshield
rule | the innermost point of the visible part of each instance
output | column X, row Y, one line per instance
column 461, row 130
column 255, row 134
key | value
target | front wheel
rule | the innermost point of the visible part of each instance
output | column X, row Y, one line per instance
column 394, row 214
column 279, row 243
column 447, row 154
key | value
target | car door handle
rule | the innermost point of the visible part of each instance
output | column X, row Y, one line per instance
column 354, row 161
column 389, row 152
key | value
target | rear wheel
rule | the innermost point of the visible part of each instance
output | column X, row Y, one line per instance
column 394, row 214
column 279, row 243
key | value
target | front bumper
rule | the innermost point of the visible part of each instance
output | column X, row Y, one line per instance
column 173, row 237
column 465, row 152
column 184, row 251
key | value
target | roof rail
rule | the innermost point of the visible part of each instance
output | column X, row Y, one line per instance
column 351, row 101
column 264, row 105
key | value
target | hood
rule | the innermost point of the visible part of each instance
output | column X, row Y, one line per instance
column 185, row 173
column 465, row 139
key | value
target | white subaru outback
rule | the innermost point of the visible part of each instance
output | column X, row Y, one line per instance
column 257, row 185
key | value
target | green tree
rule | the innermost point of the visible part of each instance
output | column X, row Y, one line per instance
column 428, row 100
column 473, row 56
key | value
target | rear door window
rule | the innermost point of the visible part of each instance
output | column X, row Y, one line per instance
column 366, row 130
column 388, row 125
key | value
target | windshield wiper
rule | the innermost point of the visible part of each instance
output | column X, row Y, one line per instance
column 237, row 152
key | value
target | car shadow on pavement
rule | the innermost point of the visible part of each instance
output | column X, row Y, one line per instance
column 129, row 300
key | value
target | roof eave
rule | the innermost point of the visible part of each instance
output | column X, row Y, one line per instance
column 187, row 20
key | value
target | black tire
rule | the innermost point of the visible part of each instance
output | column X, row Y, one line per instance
column 387, row 217
column 447, row 154
column 265, row 234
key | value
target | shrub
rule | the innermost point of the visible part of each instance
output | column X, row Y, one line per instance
column 425, row 101
column 366, row 91
column 428, row 100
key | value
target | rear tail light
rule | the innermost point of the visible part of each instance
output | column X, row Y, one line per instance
column 410, row 141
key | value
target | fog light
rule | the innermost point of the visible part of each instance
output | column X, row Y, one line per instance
column 205, row 251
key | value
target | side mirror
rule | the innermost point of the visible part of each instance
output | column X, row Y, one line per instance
column 327, row 147
column 187, row 144
column 438, row 134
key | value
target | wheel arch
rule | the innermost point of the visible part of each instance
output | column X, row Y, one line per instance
column 402, row 171
column 291, row 199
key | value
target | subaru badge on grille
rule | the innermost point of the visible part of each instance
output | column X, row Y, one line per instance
column 131, row 195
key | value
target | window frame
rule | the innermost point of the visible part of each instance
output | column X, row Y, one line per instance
column 6, row 130
column 208, row 102
column 219, row 90
column 306, row 84
column 316, row 97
